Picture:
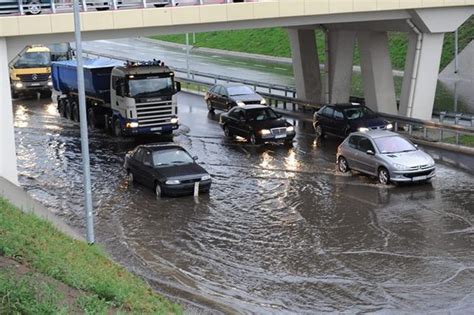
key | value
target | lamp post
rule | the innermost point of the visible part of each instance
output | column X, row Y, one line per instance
column 83, row 122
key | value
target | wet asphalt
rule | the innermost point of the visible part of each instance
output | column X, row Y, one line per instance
column 281, row 230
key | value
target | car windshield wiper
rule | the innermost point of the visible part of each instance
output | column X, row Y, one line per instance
column 409, row 150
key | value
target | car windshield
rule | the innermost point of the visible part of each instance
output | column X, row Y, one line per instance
column 154, row 86
column 240, row 90
column 171, row 157
column 357, row 112
column 34, row 60
column 259, row 114
column 393, row 145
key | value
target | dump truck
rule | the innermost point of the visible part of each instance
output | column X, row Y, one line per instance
column 133, row 98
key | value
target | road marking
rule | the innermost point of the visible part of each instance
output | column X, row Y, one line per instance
column 240, row 62
column 278, row 68
column 261, row 66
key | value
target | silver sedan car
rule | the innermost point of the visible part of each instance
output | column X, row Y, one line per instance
column 386, row 155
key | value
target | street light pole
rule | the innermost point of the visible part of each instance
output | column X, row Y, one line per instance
column 83, row 122
column 456, row 51
column 188, row 75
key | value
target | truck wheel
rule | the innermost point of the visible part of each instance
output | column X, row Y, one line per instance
column 68, row 110
column 117, row 128
column 91, row 121
column 75, row 112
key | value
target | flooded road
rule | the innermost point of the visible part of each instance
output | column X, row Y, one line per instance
column 280, row 232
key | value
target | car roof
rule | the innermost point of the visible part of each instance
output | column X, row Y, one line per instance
column 160, row 146
column 346, row 105
column 374, row 134
column 255, row 106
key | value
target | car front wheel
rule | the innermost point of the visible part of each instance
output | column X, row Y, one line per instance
column 319, row 130
column 383, row 176
column 253, row 139
column 227, row 132
column 158, row 190
column 209, row 106
column 343, row 165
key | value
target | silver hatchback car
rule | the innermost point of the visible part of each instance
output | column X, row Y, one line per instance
column 386, row 155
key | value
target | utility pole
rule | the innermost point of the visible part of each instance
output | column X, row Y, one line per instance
column 83, row 122
column 187, row 56
column 456, row 51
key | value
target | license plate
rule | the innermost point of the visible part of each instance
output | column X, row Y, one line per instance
column 35, row 84
column 280, row 136
column 156, row 129
column 419, row 178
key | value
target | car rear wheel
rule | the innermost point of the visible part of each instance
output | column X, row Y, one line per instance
column 227, row 132
column 342, row 164
column 130, row 177
column 158, row 190
column 383, row 176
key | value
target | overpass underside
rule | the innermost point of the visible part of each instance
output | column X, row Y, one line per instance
column 345, row 23
column 425, row 31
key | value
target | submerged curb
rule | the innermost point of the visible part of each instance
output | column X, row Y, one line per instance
column 22, row 200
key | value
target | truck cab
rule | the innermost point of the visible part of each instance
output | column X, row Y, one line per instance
column 143, row 98
column 30, row 72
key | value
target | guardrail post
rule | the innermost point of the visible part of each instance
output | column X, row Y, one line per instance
column 425, row 132
column 410, row 129
column 457, row 138
column 84, row 5
column 472, row 121
column 457, row 117
column 53, row 6
column 20, row 7
column 114, row 4
column 441, row 119
column 395, row 126
column 144, row 3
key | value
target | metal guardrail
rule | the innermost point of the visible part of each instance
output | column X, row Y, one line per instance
column 423, row 129
column 61, row 6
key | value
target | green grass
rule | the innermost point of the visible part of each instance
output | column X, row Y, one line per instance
column 37, row 244
column 274, row 42
column 465, row 140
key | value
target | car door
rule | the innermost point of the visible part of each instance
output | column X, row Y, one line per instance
column 147, row 169
column 326, row 119
column 367, row 161
column 135, row 165
column 219, row 100
column 235, row 117
column 352, row 152
column 339, row 123
column 225, row 98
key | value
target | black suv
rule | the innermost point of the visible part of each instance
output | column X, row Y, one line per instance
column 342, row 119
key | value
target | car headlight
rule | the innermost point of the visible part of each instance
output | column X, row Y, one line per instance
column 206, row 177
column 50, row 83
column 400, row 167
column 290, row 129
column 18, row 85
column 133, row 124
column 363, row 129
column 240, row 103
column 174, row 120
column 172, row 182
column 265, row 132
column 389, row 126
column 263, row 101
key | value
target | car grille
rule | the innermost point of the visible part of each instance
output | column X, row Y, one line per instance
column 154, row 114
column 34, row 77
column 415, row 174
column 252, row 102
column 190, row 181
column 278, row 131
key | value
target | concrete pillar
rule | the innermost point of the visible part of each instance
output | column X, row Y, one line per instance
column 306, row 64
column 8, row 168
column 421, row 75
column 377, row 76
column 341, row 58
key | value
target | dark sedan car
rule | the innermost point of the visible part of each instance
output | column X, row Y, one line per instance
column 257, row 124
column 342, row 119
column 167, row 168
column 224, row 97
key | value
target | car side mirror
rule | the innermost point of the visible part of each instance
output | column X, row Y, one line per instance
column 178, row 86
column 195, row 158
column 370, row 152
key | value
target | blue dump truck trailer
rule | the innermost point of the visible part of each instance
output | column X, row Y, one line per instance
column 128, row 99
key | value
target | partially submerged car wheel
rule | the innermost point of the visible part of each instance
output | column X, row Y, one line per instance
column 383, row 176
column 209, row 106
column 130, row 177
column 253, row 139
column 319, row 131
column 227, row 132
column 342, row 165
column 158, row 190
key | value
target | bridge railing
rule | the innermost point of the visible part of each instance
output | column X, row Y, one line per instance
column 22, row 7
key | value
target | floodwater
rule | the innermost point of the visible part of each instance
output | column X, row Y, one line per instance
column 280, row 232
column 451, row 96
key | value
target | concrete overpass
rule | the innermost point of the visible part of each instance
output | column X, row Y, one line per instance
column 345, row 22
